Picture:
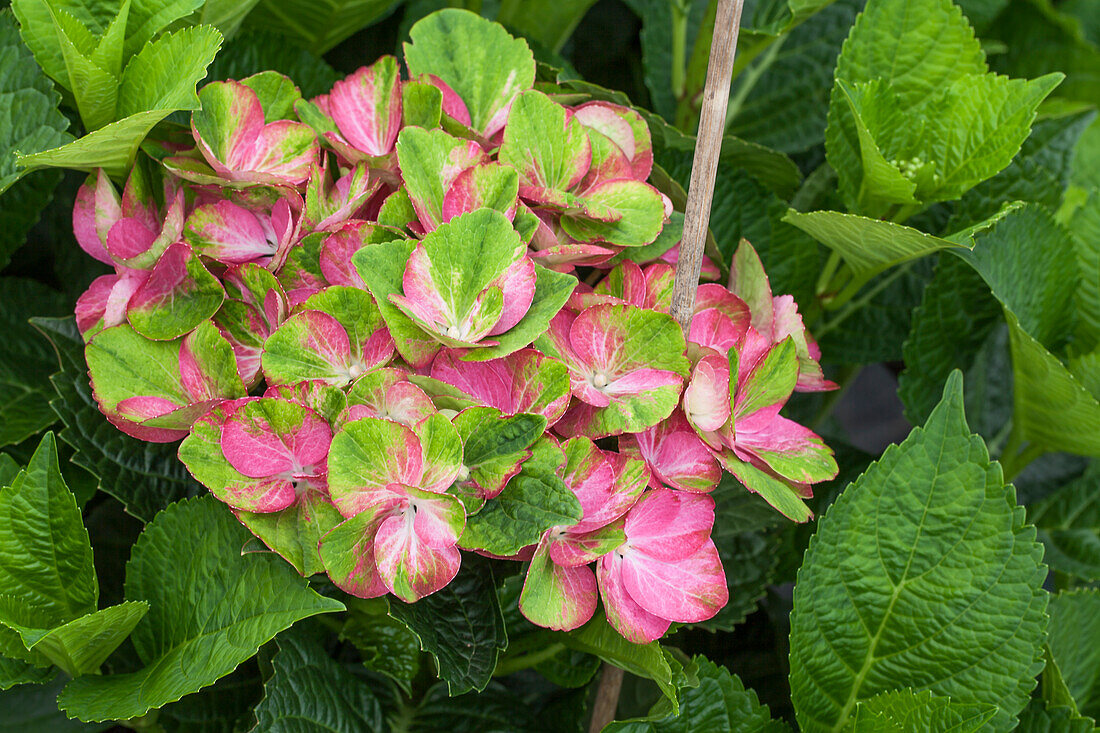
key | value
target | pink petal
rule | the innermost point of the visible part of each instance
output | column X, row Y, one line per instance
column 642, row 380
column 685, row 591
column 636, row 624
column 556, row 597
column 336, row 252
column 409, row 568
column 453, row 106
column 518, row 286
column 669, row 525
column 707, row 397
column 676, row 455
column 366, row 106
column 91, row 306
column 129, row 238
column 420, row 291
column 257, row 449
column 140, row 409
column 96, row 210
column 228, row 233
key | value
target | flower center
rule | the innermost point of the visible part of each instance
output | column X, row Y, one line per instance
column 599, row 380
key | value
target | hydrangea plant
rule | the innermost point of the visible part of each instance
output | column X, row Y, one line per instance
column 397, row 261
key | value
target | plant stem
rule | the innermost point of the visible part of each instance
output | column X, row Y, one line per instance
column 607, row 698
column 827, row 273
column 679, row 48
column 750, row 78
column 523, row 661
column 855, row 305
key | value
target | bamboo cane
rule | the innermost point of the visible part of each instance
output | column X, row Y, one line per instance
column 708, row 149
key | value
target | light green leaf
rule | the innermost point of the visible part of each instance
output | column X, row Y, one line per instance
column 917, row 46
column 95, row 88
column 1041, row 718
column 164, row 74
column 720, row 704
column 552, row 290
column 901, row 711
column 295, row 533
column 111, row 147
column 45, row 554
column 82, row 645
column 535, row 500
column 202, row 623
column 476, row 58
column 868, row 246
column 150, row 17
column 1069, row 526
column 931, row 519
column 318, row 25
column 1075, row 645
column 461, row 626
column 1084, row 227
column 309, row 690
column 28, row 103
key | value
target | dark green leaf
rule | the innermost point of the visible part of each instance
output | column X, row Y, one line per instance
column 257, row 50
column 310, row 691
column 27, row 359
column 931, row 519
column 1075, row 646
column 318, row 25
column 461, row 626
column 1069, row 526
column 720, row 703
column 145, row 477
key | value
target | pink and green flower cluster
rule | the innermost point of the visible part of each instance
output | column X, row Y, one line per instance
column 427, row 313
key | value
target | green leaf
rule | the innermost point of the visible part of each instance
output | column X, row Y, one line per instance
column 919, row 47
column 34, row 708
column 225, row 15
column 461, row 626
column 1040, row 718
column 547, row 22
column 45, row 554
column 899, row 711
column 931, row 519
column 82, row 645
column 318, row 25
column 95, row 88
column 720, row 703
column 785, row 107
column 384, row 644
column 533, row 501
column 476, row 58
column 150, row 17
column 308, row 690
column 164, row 74
column 28, row 104
column 1043, row 39
column 27, row 359
column 1038, row 173
column 645, row 660
column 1084, row 226
column 868, row 246
column 295, row 533
column 1075, row 645
column 145, row 477
column 1027, row 258
column 17, row 672
column 955, row 318
column 202, row 623
column 111, row 147
column 258, row 50
column 1069, row 526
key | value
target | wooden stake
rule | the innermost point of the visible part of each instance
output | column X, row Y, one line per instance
column 607, row 698
column 708, row 148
